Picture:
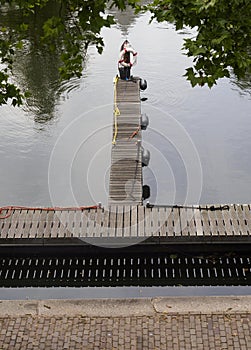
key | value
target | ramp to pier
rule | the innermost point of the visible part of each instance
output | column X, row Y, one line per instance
column 126, row 160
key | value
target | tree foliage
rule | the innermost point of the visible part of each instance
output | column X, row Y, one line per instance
column 69, row 32
column 222, row 44
column 223, row 41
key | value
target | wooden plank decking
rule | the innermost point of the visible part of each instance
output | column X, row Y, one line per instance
column 126, row 219
column 160, row 224
column 126, row 168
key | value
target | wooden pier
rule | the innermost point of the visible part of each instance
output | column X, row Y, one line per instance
column 126, row 161
column 126, row 220
column 129, row 224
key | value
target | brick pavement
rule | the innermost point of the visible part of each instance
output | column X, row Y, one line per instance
column 228, row 329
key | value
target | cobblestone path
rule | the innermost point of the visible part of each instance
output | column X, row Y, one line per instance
column 161, row 331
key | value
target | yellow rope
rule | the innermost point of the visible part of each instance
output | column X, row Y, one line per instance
column 116, row 111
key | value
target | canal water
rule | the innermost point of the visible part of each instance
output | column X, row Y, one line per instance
column 55, row 150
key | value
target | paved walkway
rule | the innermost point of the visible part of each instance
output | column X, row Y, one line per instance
column 139, row 324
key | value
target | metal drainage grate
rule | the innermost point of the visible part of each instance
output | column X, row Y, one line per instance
column 157, row 270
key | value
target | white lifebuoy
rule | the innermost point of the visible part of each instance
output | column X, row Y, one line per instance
column 132, row 60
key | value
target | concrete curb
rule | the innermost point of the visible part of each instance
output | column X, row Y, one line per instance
column 206, row 305
column 125, row 307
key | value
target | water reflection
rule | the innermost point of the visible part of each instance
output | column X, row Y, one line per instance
column 36, row 68
column 243, row 86
column 125, row 20
column 38, row 73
